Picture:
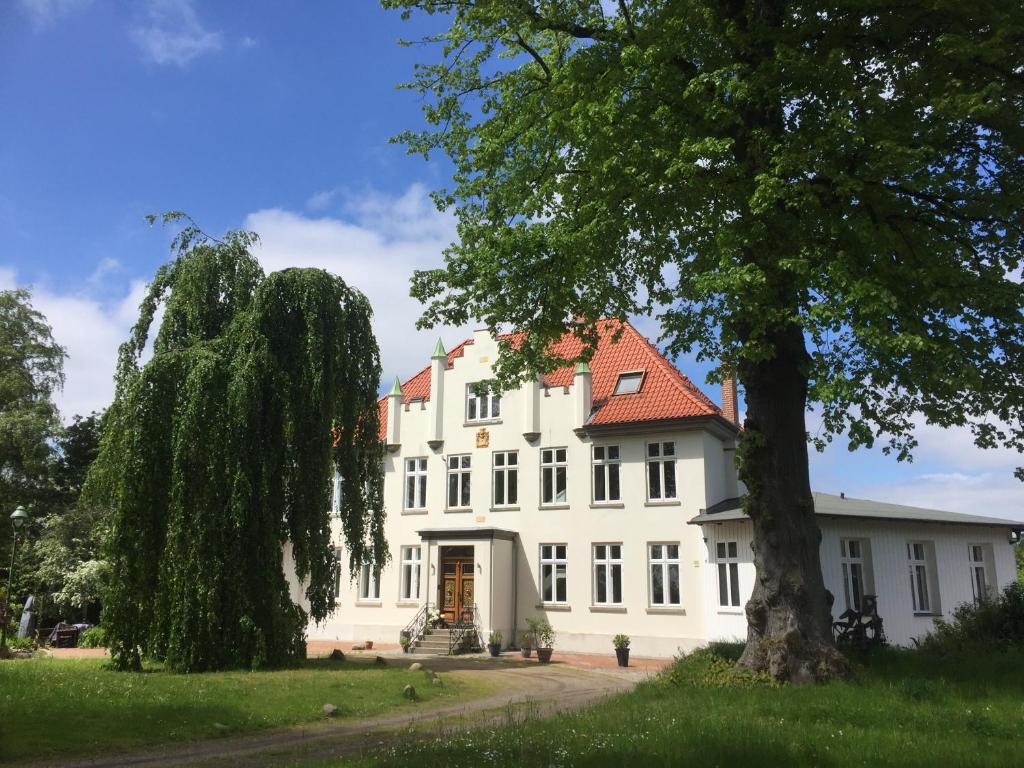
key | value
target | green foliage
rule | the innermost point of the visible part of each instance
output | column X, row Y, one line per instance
column 706, row 668
column 1018, row 553
column 62, row 564
column 989, row 624
column 93, row 637
column 221, row 448
column 621, row 641
column 852, row 170
column 543, row 633
column 494, row 638
column 21, row 643
column 31, row 370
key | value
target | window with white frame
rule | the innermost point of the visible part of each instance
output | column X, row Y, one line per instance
column 727, row 557
column 606, row 473
column 458, row 481
column 664, row 575
column 981, row 584
column 506, row 478
column 552, row 476
column 856, row 575
column 628, row 383
column 416, row 483
column 337, row 574
column 554, row 565
column 481, row 405
column 336, row 494
column 607, row 574
column 410, row 586
column 369, row 582
column 920, row 576
column 661, row 471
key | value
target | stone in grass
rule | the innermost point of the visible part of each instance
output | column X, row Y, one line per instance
column 415, row 667
column 330, row 710
column 380, row 661
column 337, row 655
column 409, row 692
column 435, row 680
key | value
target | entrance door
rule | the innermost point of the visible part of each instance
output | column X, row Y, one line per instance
column 457, row 588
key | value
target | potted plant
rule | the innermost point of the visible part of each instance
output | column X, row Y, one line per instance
column 494, row 643
column 368, row 644
column 528, row 637
column 621, row 643
column 544, row 639
column 405, row 641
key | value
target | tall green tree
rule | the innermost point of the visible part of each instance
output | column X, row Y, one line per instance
column 220, row 450
column 827, row 197
column 31, row 372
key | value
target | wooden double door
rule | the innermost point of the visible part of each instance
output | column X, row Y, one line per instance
column 457, row 596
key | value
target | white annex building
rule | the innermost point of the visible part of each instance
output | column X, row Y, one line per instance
column 606, row 498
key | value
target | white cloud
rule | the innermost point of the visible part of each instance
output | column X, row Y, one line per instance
column 321, row 201
column 994, row 494
column 374, row 246
column 42, row 13
column 173, row 34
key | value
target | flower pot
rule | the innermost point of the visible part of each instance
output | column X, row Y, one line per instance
column 544, row 655
column 526, row 652
column 369, row 645
column 622, row 654
column 494, row 649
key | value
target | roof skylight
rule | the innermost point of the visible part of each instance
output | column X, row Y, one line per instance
column 629, row 383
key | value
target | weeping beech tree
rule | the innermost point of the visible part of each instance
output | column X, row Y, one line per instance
column 221, row 448
column 826, row 196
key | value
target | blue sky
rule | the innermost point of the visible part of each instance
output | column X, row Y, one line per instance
column 273, row 117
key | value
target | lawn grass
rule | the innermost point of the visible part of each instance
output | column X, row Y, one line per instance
column 51, row 708
column 902, row 709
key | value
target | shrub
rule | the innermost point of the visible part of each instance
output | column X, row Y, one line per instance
column 543, row 633
column 705, row 668
column 94, row 637
column 21, row 643
column 494, row 638
column 620, row 641
column 998, row 622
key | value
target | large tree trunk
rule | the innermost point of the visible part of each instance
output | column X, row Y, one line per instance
column 789, row 631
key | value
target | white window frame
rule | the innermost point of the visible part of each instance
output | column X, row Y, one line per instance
column 727, row 558
column 661, row 459
column 606, row 467
column 409, row 583
column 550, row 466
column 478, row 404
column 922, row 580
column 415, row 470
column 501, row 474
column 605, row 560
column 460, row 467
column 554, row 570
column 639, row 376
column 660, row 558
column 337, row 574
column 336, row 484
column 984, row 590
column 369, row 583
column 855, row 563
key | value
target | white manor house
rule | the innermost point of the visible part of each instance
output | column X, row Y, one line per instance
column 606, row 498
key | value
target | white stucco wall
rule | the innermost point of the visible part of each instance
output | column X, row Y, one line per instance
column 889, row 568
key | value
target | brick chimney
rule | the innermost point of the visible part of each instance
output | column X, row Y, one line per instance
column 730, row 404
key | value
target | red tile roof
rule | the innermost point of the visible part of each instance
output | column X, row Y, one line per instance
column 664, row 394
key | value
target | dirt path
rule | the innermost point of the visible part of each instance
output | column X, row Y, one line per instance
column 545, row 690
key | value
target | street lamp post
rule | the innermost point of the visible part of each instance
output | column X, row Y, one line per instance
column 18, row 519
